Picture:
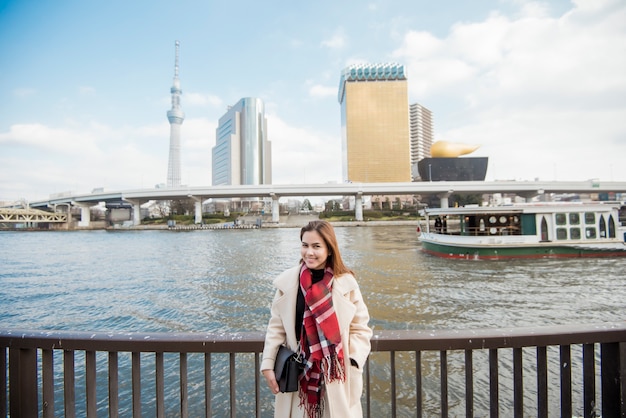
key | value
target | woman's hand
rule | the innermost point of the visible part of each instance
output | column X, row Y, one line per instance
column 270, row 378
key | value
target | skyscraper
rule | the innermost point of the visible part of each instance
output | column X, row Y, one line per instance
column 242, row 152
column 421, row 135
column 176, row 117
column 375, row 123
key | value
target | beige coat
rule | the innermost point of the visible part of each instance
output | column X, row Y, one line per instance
column 343, row 398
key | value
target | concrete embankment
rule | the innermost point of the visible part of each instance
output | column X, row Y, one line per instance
column 253, row 222
column 289, row 221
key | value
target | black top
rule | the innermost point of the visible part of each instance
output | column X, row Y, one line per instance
column 316, row 276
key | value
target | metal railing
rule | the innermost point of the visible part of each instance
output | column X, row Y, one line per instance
column 553, row 371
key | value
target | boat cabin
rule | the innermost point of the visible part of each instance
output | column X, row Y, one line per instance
column 551, row 223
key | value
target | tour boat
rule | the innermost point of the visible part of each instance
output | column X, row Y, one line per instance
column 533, row 230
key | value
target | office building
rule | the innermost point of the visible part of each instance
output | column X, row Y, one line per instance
column 176, row 117
column 242, row 152
column 375, row 123
column 421, row 130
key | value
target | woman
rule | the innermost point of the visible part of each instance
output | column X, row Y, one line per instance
column 331, row 333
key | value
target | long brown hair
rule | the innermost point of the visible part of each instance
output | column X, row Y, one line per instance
column 327, row 233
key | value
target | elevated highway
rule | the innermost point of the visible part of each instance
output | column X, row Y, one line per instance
column 442, row 189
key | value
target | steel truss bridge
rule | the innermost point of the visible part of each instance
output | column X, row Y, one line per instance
column 442, row 189
column 30, row 215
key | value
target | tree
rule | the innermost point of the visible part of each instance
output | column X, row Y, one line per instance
column 182, row 207
column 332, row 205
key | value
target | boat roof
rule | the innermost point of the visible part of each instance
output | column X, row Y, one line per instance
column 542, row 207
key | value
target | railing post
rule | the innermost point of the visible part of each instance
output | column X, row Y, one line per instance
column 69, row 384
column 443, row 378
column 566, row 380
column 493, row 383
column 610, row 370
column 23, row 382
column 113, row 385
column 542, row 382
column 589, row 380
column 518, row 383
column 136, row 383
column 469, row 384
column 3, row 382
column 47, row 384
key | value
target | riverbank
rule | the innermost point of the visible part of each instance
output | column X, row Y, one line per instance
column 253, row 222
column 292, row 222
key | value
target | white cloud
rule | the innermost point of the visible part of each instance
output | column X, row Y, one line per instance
column 301, row 155
column 40, row 137
column 322, row 91
column 535, row 91
column 197, row 140
column 199, row 99
column 337, row 41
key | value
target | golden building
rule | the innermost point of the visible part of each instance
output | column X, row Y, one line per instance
column 375, row 123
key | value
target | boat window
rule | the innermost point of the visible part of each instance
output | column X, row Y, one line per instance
column 574, row 233
column 561, row 233
column 574, row 218
column 602, row 227
column 560, row 218
column 503, row 219
column 590, row 232
column 590, row 218
column 611, row 227
column 492, row 219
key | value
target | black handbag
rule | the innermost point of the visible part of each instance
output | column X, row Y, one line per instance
column 287, row 369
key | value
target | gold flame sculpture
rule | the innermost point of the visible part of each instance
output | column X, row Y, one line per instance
column 445, row 149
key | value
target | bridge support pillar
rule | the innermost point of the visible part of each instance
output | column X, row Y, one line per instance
column 136, row 210
column 275, row 208
column 136, row 214
column 85, row 215
column 68, row 224
column 443, row 199
column 198, row 212
column 197, row 204
column 358, row 207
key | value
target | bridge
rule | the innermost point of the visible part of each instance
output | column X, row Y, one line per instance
column 442, row 189
column 30, row 216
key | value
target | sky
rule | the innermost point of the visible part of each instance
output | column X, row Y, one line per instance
column 539, row 86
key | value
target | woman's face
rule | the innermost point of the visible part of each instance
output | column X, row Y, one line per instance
column 314, row 251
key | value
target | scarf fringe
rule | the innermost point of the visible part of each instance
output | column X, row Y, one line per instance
column 313, row 410
column 333, row 368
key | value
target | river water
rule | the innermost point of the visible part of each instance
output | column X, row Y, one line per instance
column 220, row 281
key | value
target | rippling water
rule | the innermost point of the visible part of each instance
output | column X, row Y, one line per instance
column 220, row 280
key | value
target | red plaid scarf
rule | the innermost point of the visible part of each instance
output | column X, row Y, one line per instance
column 320, row 341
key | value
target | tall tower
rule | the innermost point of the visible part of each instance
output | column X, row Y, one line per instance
column 176, row 117
column 421, row 135
column 242, row 152
column 375, row 123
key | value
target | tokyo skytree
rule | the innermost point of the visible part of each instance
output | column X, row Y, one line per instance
column 176, row 117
